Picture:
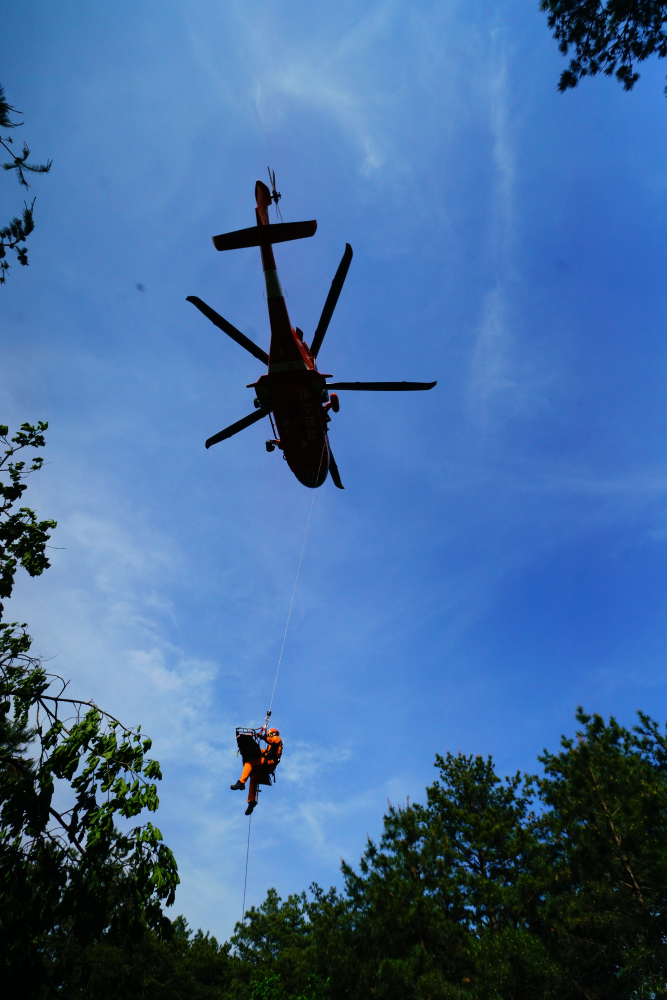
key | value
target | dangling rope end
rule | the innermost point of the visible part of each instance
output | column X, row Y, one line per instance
column 247, row 855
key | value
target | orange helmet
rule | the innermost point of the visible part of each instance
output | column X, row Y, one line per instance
column 275, row 732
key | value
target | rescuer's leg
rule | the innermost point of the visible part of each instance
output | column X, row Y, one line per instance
column 245, row 774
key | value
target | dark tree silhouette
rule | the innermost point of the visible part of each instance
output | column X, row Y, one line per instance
column 609, row 38
column 75, row 872
column 14, row 235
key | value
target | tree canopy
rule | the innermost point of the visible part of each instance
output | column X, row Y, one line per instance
column 610, row 38
column 533, row 886
column 551, row 885
column 73, row 872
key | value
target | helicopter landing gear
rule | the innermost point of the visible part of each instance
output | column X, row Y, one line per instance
column 272, row 445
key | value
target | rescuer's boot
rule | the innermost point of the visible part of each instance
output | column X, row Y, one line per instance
column 251, row 806
column 239, row 786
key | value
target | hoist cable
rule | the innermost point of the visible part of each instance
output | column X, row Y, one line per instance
column 280, row 658
column 247, row 854
column 298, row 569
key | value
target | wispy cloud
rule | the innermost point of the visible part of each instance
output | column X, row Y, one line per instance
column 494, row 378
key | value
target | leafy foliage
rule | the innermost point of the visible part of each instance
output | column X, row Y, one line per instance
column 6, row 112
column 182, row 965
column 287, row 949
column 14, row 235
column 74, row 871
column 23, row 538
column 440, row 905
column 605, row 832
column 69, row 773
column 551, row 885
column 548, row 886
column 609, row 38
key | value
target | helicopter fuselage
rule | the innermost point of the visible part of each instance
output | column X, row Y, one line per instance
column 292, row 389
column 292, row 393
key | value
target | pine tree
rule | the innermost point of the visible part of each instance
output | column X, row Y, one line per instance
column 13, row 236
column 609, row 38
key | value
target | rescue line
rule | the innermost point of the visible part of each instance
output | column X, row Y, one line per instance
column 297, row 398
column 259, row 766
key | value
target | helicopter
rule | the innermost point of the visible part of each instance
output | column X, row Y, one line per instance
column 292, row 393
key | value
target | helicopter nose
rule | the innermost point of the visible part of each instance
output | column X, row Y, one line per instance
column 312, row 478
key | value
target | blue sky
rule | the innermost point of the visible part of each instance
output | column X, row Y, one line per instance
column 498, row 555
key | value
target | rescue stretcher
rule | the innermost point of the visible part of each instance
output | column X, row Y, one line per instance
column 247, row 741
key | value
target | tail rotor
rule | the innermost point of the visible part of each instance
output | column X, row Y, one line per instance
column 275, row 195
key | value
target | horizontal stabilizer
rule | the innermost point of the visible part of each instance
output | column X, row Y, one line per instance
column 240, row 425
column 382, row 386
column 257, row 236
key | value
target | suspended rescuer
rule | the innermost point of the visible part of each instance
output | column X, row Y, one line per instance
column 260, row 767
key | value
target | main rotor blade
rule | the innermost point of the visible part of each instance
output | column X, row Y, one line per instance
column 230, row 330
column 333, row 469
column 382, row 386
column 240, row 425
column 332, row 299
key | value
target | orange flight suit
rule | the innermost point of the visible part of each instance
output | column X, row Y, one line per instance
column 264, row 765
